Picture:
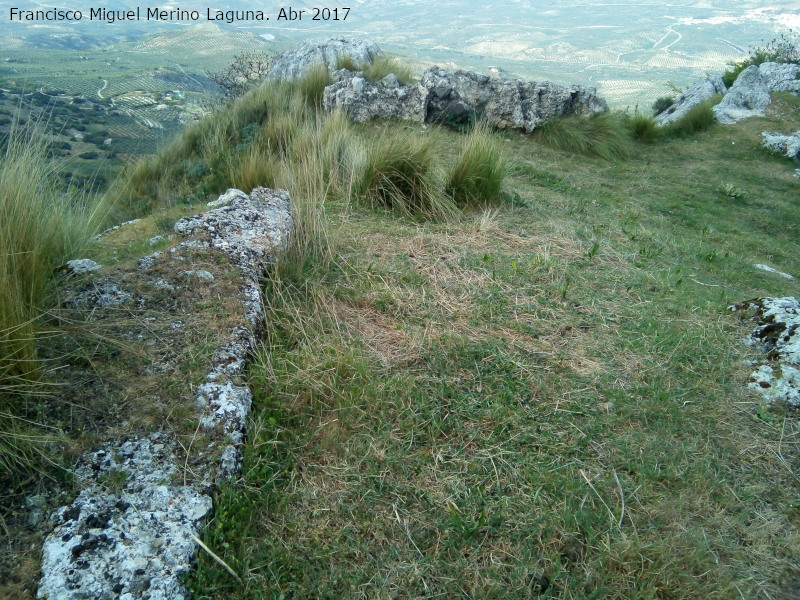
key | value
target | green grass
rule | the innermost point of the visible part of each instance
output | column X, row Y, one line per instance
column 383, row 65
column 697, row 120
column 643, row 128
column 543, row 400
column 604, row 135
column 479, row 174
column 41, row 227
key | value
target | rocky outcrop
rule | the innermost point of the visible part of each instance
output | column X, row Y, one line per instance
column 131, row 532
column 387, row 99
column 695, row 95
column 788, row 145
column 749, row 96
column 777, row 333
column 504, row 103
column 299, row 61
column 458, row 97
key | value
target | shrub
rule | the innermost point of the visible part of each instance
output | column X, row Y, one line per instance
column 700, row 118
column 481, row 169
column 662, row 104
column 604, row 135
column 782, row 49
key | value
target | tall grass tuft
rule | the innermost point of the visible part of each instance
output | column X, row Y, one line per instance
column 700, row 118
column 383, row 65
column 478, row 176
column 604, row 135
column 643, row 128
column 40, row 228
column 398, row 172
column 313, row 85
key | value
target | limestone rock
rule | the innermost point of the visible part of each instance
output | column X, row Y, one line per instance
column 747, row 97
column 788, row 145
column 365, row 101
column 750, row 93
column 781, row 77
column 777, row 333
column 505, row 103
column 109, row 544
column 298, row 62
column 460, row 97
column 697, row 94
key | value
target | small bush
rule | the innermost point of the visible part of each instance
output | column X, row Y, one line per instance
column 481, row 169
column 661, row 104
column 604, row 135
column 782, row 49
column 700, row 118
column 383, row 66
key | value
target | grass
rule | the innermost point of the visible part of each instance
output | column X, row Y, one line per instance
column 479, row 174
column 383, row 65
column 604, row 135
column 643, row 128
column 41, row 227
column 398, row 172
column 542, row 400
column 697, row 120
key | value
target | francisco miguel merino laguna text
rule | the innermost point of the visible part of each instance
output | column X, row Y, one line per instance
column 159, row 14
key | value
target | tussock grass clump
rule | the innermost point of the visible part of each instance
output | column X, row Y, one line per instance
column 700, row 118
column 643, row 128
column 384, row 65
column 40, row 229
column 313, row 85
column 604, row 135
column 398, row 172
column 480, row 172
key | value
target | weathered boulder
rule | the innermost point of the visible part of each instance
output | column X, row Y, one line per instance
column 747, row 97
column 461, row 96
column 386, row 99
column 788, row 145
column 781, row 77
column 750, row 93
column 299, row 61
column 504, row 102
column 695, row 95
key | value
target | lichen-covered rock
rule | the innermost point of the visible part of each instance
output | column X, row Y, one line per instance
column 298, row 62
column 461, row 97
column 81, row 266
column 505, row 103
column 387, row 99
column 777, row 333
column 695, row 95
column 250, row 229
column 788, row 145
column 749, row 96
column 130, row 529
